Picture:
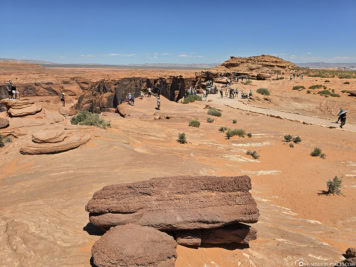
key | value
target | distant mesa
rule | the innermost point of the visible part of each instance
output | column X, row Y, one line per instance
column 257, row 67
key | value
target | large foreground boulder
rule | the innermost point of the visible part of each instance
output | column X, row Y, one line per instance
column 4, row 123
column 133, row 245
column 31, row 110
column 175, row 203
column 71, row 142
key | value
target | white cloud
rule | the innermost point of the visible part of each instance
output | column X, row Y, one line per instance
column 186, row 55
column 88, row 56
column 121, row 55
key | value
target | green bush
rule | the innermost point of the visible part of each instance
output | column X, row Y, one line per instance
column 191, row 99
column 327, row 81
column 308, row 92
column 297, row 140
column 327, row 93
column 263, row 91
column 247, row 82
column 334, row 186
column 210, row 120
column 249, row 135
column 1, row 141
column 317, row 86
column 234, row 121
column 239, row 132
column 222, row 129
column 194, row 123
column 345, row 91
column 346, row 82
column 253, row 154
column 317, row 153
column 182, row 139
column 288, row 138
column 214, row 112
column 298, row 87
column 88, row 118
column 291, row 145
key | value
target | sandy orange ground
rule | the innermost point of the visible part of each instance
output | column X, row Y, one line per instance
column 43, row 197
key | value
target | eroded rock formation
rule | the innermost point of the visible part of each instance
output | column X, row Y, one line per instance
column 175, row 203
column 54, row 141
column 21, row 108
column 106, row 95
column 197, row 211
column 4, row 123
column 133, row 245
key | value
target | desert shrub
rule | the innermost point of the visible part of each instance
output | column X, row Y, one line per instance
column 327, row 81
column 239, row 132
column 334, row 186
column 249, row 135
column 323, row 73
column 247, row 82
column 298, row 87
column 194, row 123
column 317, row 86
column 222, row 129
column 308, row 92
column 297, row 140
column 209, row 120
column 8, row 140
column 263, row 91
column 291, row 145
column 317, row 153
column 346, row 82
column 1, row 141
column 234, row 121
column 88, row 118
column 328, row 93
column 288, row 138
column 345, row 76
column 253, row 154
column 345, row 91
column 182, row 139
column 191, row 99
column 214, row 112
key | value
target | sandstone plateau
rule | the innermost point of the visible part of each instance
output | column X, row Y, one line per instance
column 43, row 221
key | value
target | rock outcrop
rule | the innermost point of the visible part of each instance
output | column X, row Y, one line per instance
column 197, row 211
column 21, row 108
column 133, row 245
column 258, row 67
column 350, row 258
column 45, row 143
column 49, row 136
column 4, row 123
column 175, row 203
column 352, row 93
column 105, row 95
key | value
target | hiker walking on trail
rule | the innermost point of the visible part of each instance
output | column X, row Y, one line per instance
column 237, row 93
column 63, row 99
column 221, row 93
column 342, row 117
column 250, row 94
column 131, row 99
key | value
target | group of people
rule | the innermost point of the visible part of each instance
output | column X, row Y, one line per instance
column 296, row 75
column 131, row 97
column 12, row 91
column 232, row 93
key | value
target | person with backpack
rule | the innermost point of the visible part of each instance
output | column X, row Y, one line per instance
column 158, row 101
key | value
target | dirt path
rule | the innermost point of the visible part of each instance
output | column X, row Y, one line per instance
column 238, row 104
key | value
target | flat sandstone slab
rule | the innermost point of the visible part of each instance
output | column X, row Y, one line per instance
column 175, row 203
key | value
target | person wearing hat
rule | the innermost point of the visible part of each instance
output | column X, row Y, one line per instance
column 63, row 99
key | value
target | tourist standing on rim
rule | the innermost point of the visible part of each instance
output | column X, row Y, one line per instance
column 63, row 99
column 9, row 89
column 342, row 117
column 158, row 101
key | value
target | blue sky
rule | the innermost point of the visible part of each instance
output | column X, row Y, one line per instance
column 169, row 31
